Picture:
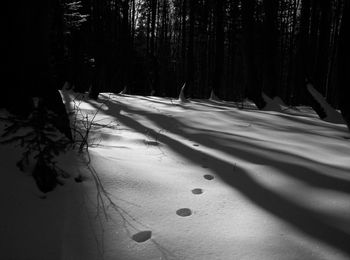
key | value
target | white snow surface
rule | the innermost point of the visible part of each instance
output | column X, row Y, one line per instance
column 198, row 180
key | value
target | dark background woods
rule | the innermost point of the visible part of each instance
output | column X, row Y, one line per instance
column 238, row 48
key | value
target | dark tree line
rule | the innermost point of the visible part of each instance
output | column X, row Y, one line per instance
column 236, row 48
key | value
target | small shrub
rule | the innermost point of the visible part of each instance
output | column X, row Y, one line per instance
column 41, row 141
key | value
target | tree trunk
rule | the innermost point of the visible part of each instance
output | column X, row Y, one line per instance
column 323, row 49
column 253, row 88
column 270, row 71
column 33, row 75
column 190, row 52
column 219, row 47
column 302, row 59
column 344, row 64
column 153, row 25
column 183, row 34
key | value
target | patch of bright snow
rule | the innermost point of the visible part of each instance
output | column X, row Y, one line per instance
column 277, row 186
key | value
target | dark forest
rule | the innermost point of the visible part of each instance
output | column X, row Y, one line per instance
column 239, row 49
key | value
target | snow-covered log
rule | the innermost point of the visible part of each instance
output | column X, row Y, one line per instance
column 272, row 104
column 332, row 115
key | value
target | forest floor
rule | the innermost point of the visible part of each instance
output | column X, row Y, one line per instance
column 186, row 180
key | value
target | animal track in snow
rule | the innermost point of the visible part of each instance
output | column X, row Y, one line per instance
column 184, row 212
column 208, row 177
column 197, row 191
column 142, row 236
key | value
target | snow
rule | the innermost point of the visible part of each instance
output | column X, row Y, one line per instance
column 200, row 180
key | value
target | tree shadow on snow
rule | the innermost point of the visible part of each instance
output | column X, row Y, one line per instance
column 301, row 217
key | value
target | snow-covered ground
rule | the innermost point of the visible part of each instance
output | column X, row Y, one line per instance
column 200, row 180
